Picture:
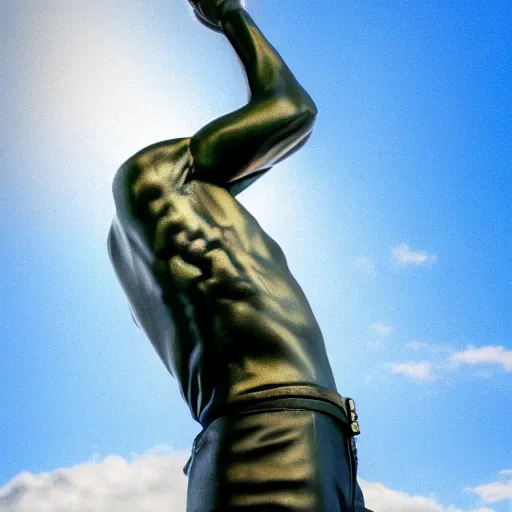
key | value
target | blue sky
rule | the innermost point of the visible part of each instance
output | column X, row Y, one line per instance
column 394, row 219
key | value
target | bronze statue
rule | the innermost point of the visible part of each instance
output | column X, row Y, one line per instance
column 213, row 293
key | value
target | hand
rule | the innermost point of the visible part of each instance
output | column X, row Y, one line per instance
column 210, row 12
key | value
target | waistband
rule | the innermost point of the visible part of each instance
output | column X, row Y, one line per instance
column 301, row 397
column 305, row 396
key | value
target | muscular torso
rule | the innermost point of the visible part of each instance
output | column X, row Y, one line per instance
column 209, row 287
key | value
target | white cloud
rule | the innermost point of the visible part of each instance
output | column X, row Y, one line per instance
column 403, row 255
column 484, row 355
column 381, row 329
column 471, row 356
column 381, row 499
column 495, row 491
column 415, row 370
column 149, row 483
column 154, row 482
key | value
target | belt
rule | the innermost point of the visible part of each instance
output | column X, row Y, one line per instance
column 311, row 398
column 342, row 408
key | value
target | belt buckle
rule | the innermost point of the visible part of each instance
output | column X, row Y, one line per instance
column 350, row 407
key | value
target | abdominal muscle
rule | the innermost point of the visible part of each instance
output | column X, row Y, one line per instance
column 248, row 325
column 257, row 316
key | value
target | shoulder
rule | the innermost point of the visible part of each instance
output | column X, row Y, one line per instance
column 160, row 153
column 167, row 161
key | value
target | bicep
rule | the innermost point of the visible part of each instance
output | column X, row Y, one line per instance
column 249, row 141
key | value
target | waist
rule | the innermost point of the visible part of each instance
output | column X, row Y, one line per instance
column 299, row 397
column 310, row 397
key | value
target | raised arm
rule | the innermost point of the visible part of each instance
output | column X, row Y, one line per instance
column 239, row 147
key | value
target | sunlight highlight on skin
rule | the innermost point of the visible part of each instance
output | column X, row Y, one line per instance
column 96, row 94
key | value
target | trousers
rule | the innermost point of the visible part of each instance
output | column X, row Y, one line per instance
column 287, row 455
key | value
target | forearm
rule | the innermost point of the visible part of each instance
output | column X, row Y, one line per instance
column 267, row 73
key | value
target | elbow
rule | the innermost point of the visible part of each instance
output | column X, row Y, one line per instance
column 300, row 103
column 307, row 110
column 312, row 110
column 308, row 115
column 306, row 106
